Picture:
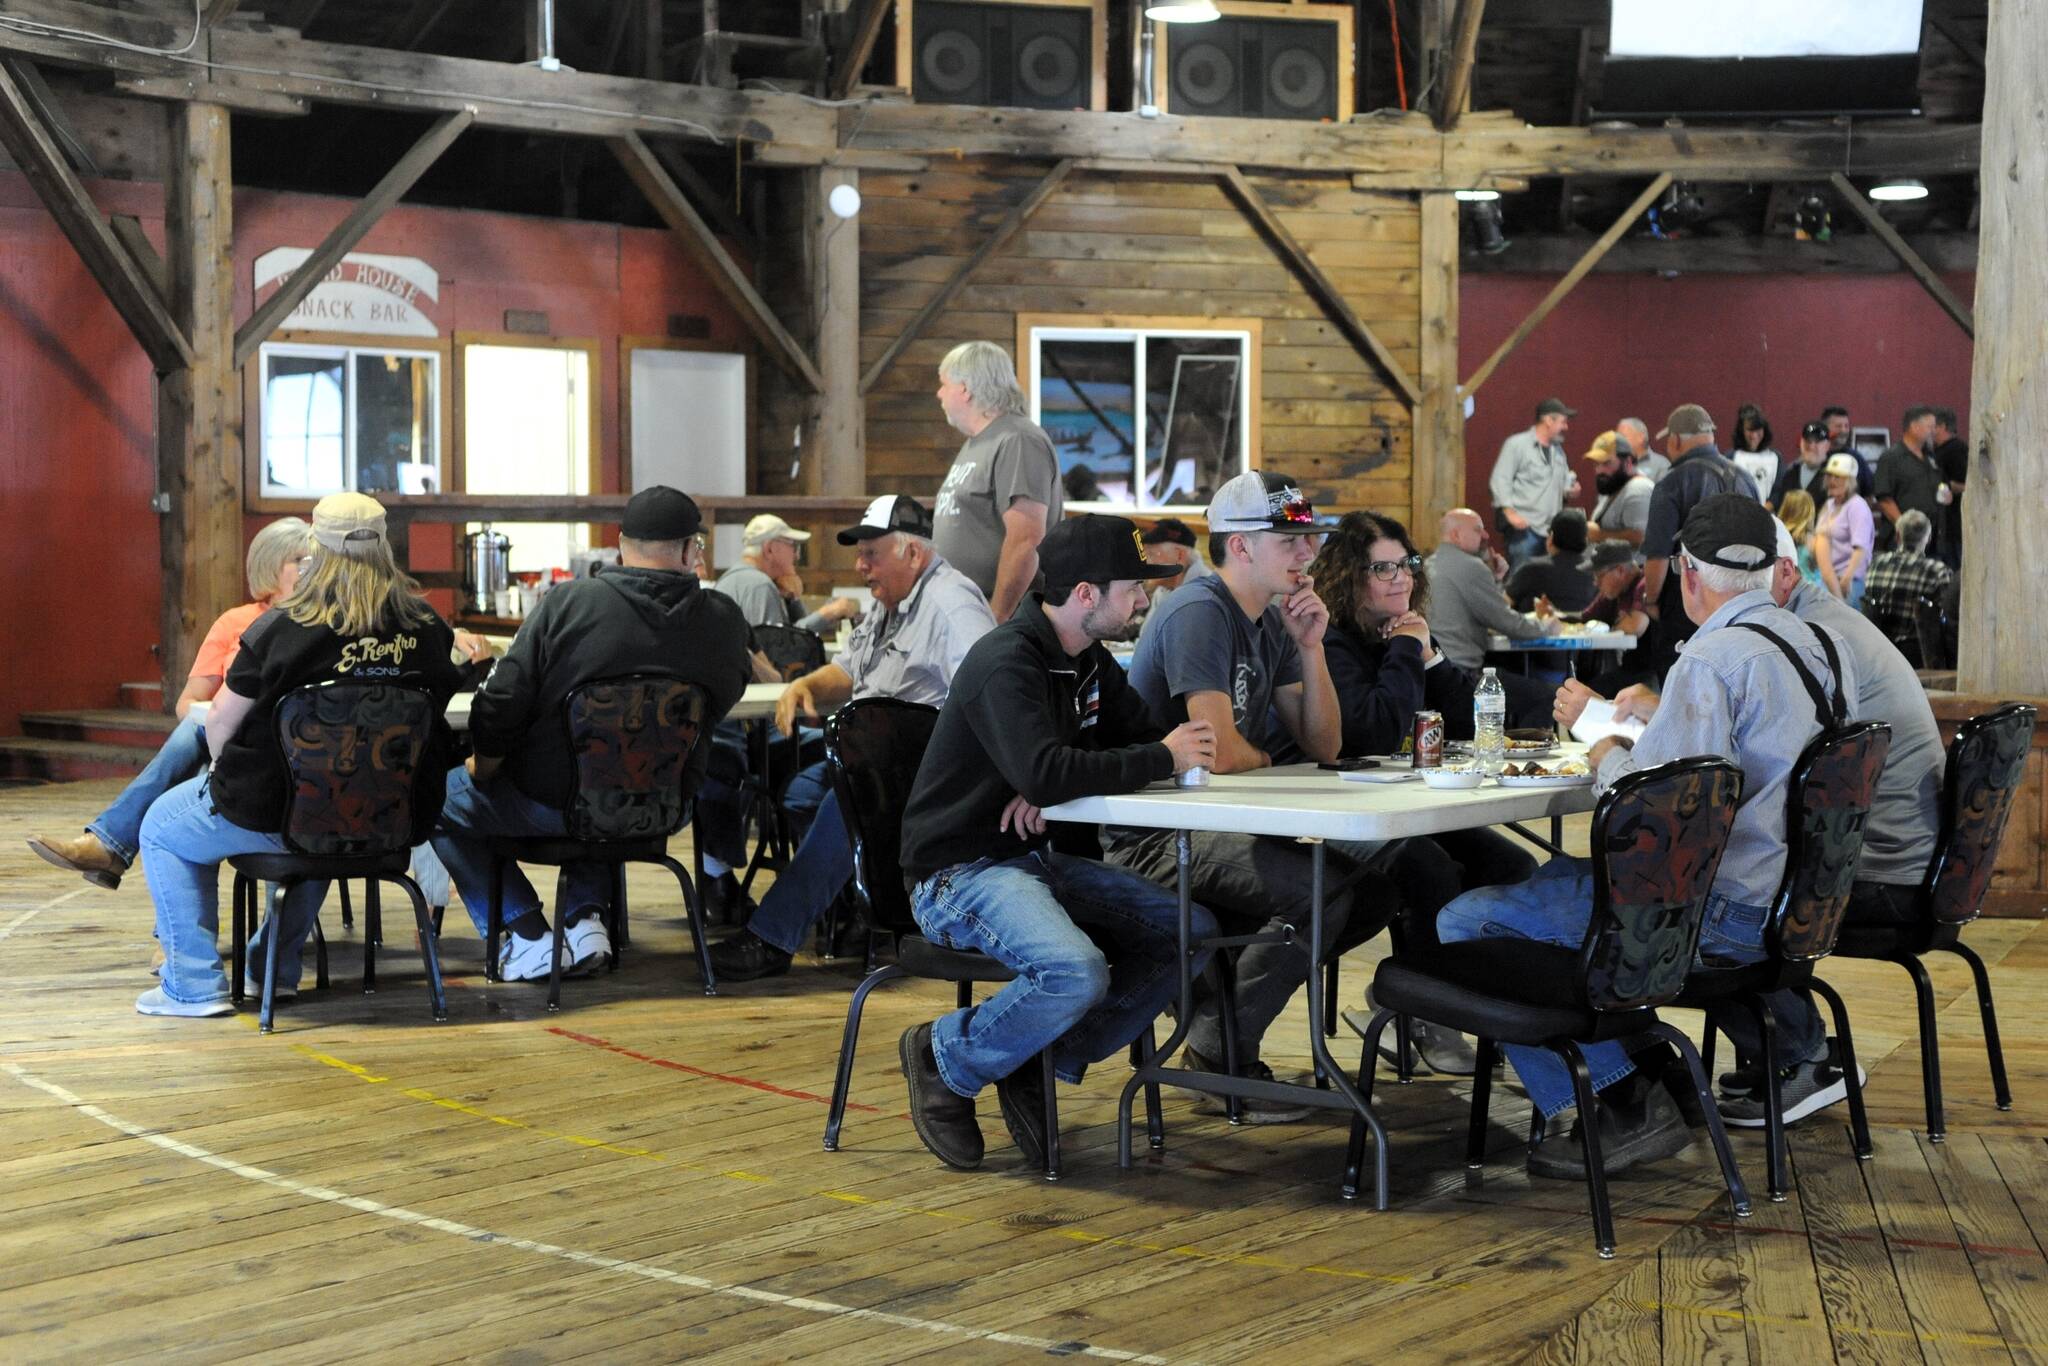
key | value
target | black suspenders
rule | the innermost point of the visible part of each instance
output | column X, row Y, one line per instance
column 1831, row 712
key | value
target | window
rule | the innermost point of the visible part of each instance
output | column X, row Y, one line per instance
column 1143, row 416
column 528, row 420
column 356, row 418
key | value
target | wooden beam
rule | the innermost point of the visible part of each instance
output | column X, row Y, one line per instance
column 997, row 240
column 219, row 10
column 860, row 45
column 703, row 247
column 712, row 204
column 1846, row 253
column 652, row 52
column 1570, row 281
column 1438, row 475
column 348, row 232
column 129, row 230
column 1899, row 147
column 1456, row 90
column 51, row 113
column 126, row 284
column 1948, row 28
column 1296, row 258
column 835, row 432
column 1910, row 259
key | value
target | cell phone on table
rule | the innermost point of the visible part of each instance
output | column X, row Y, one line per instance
column 1351, row 765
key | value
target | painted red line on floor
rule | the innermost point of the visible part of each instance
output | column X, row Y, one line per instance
column 731, row 1080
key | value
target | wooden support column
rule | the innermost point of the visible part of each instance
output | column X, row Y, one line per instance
column 1910, row 259
column 867, row 16
column 199, row 407
column 836, row 430
column 1439, row 472
column 2004, row 553
column 1456, row 91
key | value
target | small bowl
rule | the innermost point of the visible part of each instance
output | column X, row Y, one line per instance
column 1452, row 779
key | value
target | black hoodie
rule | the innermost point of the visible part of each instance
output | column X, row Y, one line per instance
column 623, row 621
column 1024, row 718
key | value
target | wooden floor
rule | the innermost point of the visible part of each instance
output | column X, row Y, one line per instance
column 639, row 1178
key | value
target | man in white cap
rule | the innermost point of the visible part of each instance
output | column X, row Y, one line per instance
column 765, row 582
column 927, row 615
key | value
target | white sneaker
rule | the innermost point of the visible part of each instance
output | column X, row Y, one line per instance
column 585, row 944
column 253, row 989
column 154, row 1002
column 525, row 960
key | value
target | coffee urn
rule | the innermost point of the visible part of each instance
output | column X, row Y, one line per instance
column 485, row 568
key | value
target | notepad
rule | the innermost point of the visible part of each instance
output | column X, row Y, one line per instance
column 1598, row 721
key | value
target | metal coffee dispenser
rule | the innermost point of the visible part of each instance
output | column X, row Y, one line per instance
column 486, row 568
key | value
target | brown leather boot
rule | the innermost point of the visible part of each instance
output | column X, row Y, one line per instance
column 101, row 866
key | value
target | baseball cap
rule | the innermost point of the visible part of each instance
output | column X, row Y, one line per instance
column 1261, row 501
column 1170, row 531
column 1096, row 548
column 1787, row 548
column 1607, row 554
column 1687, row 419
column 661, row 513
column 768, row 527
column 891, row 512
column 1555, row 405
column 1603, row 447
column 1814, row 431
column 342, row 518
column 1732, row 530
column 1843, row 463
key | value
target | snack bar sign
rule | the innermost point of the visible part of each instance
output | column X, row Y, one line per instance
column 386, row 295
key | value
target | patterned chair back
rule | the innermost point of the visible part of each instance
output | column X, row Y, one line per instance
column 1658, row 836
column 351, row 754
column 791, row 649
column 1828, row 801
column 630, row 739
column 874, row 747
column 1986, row 762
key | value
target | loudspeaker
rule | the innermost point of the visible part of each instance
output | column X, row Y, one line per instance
column 1001, row 53
column 1270, row 65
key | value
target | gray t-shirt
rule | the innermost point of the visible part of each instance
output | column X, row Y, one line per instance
column 1628, row 510
column 1010, row 459
column 1203, row 642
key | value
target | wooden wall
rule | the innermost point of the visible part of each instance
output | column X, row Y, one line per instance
column 1124, row 245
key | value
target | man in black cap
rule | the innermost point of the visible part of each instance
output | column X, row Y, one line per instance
column 647, row 614
column 1755, row 684
column 1698, row 471
column 1809, row 473
column 1040, row 714
column 1532, row 479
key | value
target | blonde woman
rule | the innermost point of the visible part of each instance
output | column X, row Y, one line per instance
column 1796, row 511
column 108, row 845
column 353, row 616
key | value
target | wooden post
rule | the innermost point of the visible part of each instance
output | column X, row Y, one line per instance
column 836, row 430
column 1456, row 91
column 1439, row 462
column 2004, row 554
column 199, row 407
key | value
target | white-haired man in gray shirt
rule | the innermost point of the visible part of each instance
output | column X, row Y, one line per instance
column 1649, row 461
column 1003, row 493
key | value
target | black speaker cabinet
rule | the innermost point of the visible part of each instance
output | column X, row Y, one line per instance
column 1258, row 61
column 1003, row 53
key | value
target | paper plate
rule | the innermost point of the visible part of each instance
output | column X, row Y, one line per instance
column 1552, row 780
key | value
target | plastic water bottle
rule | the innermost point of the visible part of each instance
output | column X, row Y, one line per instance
column 1489, row 723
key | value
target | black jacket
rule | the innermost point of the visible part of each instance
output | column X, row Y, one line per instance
column 1024, row 719
column 1381, row 684
column 623, row 621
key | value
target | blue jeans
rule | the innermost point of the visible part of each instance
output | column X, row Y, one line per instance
column 184, row 841
column 1521, row 546
column 1554, row 907
column 470, row 816
column 820, row 869
column 183, row 756
column 1030, row 914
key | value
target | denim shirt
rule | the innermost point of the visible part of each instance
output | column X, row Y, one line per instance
column 1734, row 694
column 912, row 653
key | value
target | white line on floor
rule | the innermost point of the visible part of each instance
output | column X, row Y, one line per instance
column 26, row 916
column 569, row 1254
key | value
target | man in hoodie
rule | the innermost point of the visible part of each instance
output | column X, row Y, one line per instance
column 1039, row 713
column 650, row 614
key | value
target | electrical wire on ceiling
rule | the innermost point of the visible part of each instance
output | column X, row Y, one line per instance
column 37, row 26
column 1400, row 74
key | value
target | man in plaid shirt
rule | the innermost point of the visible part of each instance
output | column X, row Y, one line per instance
column 1900, row 578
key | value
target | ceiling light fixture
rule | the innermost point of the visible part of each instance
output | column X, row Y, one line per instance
column 1184, row 12
column 1898, row 191
column 1475, row 196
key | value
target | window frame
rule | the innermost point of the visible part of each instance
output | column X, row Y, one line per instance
column 258, row 496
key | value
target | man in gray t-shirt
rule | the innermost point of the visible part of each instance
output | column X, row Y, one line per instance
column 1003, row 493
column 1624, row 507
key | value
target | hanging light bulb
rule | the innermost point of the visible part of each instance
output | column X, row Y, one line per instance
column 1184, row 11
column 1899, row 191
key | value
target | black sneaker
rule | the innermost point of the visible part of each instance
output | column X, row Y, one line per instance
column 1803, row 1088
column 747, row 957
column 1021, row 1097
column 1250, row 1111
column 1637, row 1124
column 943, row 1120
column 723, row 901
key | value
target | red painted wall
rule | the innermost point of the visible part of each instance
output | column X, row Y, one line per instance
column 1638, row 346
column 77, row 404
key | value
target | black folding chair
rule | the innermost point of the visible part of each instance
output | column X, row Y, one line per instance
column 630, row 739
column 1986, row 765
column 874, row 747
column 771, row 761
column 352, row 756
column 1657, row 840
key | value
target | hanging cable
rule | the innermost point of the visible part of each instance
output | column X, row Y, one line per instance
column 1400, row 75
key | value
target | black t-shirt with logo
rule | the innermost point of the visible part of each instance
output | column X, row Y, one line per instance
column 278, row 655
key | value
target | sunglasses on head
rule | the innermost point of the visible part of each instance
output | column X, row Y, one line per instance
column 1289, row 506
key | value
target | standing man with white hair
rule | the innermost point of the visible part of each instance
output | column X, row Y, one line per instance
column 1003, row 493
column 1635, row 434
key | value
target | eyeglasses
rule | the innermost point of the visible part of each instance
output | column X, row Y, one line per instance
column 1386, row 571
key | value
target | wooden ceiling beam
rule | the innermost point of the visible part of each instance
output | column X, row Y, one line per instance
column 219, row 10
column 860, row 45
column 1846, row 253
column 1456, row 89
column 1910, row 259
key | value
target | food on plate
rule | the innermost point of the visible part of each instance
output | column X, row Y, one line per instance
column 1568, row 768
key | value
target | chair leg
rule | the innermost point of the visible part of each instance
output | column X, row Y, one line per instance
column 269, row 1011
column 1404, row 1052
column 842, row 1082
column 616, row 915
column 1589, row 1142
column 1774, row 1100
column 1709, row 1036
column 494, row 919
column 437, row 1000
column 2000, row 1091
column 963, row 995
column 1052, row 1118
column 373, row 934
column 561, row 923
column 1368, row 1066
column 1155, row 1124
column 1482, row 1093
column 319, row 956
column 1930, row 1049
column 1859, row 1122
column 440, row 913
column 1539, row 1125
column 1724, row 1152
column 695, row 915
column 1226, row 1015
column 239, row 941
column 1330, row 997
column 348, row 912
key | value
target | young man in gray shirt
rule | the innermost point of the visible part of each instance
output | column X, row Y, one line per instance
column 1003, row 493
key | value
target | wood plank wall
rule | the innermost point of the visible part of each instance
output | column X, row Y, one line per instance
column 1119, row 244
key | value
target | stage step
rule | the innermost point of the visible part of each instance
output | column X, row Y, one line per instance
column 103, row 726
column 28, row 758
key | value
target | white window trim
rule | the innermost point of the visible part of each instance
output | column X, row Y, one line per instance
column 347, row 354
column 1248, row 353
